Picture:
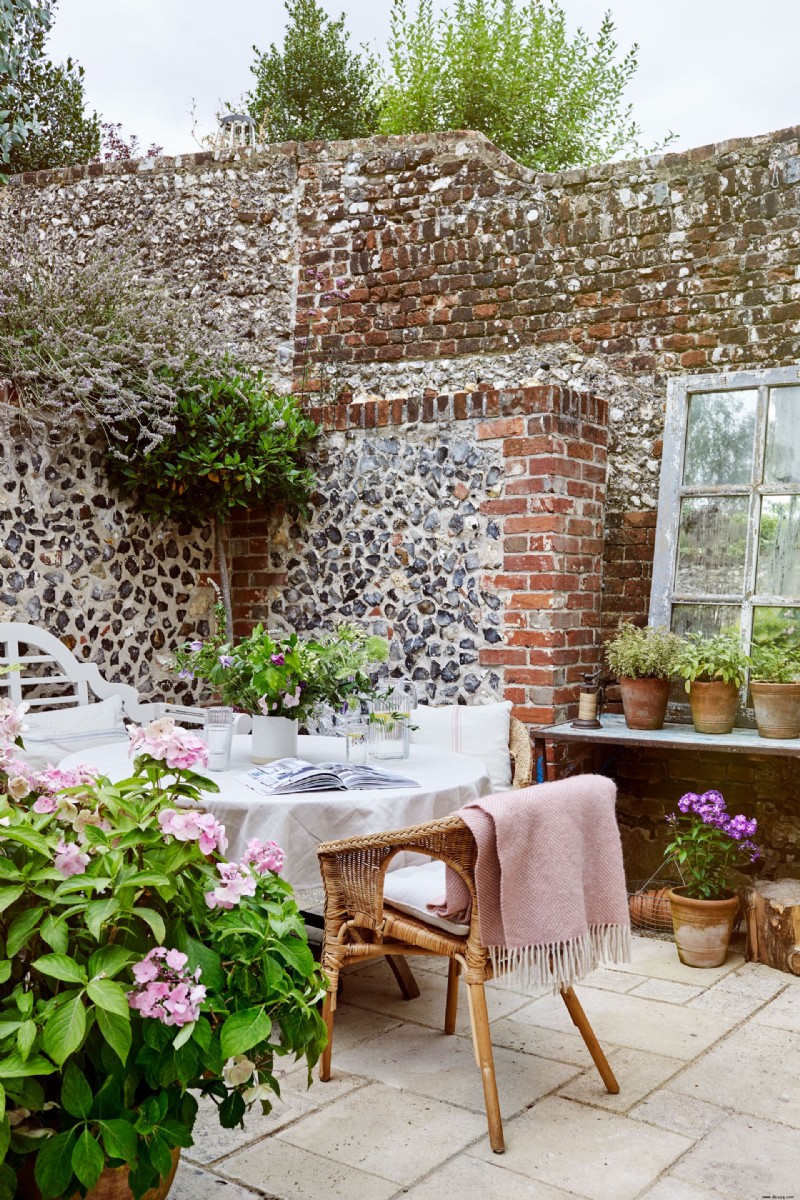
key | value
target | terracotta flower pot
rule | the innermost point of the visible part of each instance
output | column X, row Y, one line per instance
column 777, row 708
column 714, row 706
column 112, row 1184
column 649, row 907
column 644, row 702
column 702, row 928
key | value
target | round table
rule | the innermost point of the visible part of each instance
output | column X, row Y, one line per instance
column 300, row 821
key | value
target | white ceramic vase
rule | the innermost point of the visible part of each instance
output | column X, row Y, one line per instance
column 273, row 737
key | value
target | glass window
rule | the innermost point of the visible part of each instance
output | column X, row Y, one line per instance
column 728, row 535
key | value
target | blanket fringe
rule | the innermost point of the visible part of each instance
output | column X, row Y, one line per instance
column 559, row 965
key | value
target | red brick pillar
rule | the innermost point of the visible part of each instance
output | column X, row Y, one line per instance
column 552, row 510
column 251, row 577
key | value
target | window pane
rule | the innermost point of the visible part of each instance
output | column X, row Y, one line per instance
column 711, row 545
column 783, row 436
column 779, row 627
column 707, row 619
column 720, row 436
column 779, row 547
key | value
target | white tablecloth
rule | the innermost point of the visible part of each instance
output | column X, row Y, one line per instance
column 299, row 822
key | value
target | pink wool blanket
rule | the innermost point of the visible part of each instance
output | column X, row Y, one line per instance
column 552, row 900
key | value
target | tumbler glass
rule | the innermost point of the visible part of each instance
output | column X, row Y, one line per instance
column 356, row 740
column 219, row 736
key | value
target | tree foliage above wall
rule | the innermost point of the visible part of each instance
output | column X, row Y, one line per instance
column 23, row 24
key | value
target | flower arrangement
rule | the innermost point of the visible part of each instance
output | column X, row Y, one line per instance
column 140, row 969
column 278, row 675
column 707, row 843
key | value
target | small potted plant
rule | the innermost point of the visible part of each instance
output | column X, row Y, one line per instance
column 139, row 970
column 714, row 669
column 643, row 661
column 281, row 681
column 706, row 844
column 775, row 688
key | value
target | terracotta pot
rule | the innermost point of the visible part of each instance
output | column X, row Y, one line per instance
column 644, row 702
column 112, row 1184
column 702, row 928
column 650, row 907
column 777, row 708
column 714, row 706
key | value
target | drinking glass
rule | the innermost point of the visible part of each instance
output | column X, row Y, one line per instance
column 219, row 736
column 356, row 740
column 390, row 721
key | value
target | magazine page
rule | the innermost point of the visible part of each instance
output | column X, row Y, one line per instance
column 289, row 775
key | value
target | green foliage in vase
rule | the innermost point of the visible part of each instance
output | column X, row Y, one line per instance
column 513, row 71
column 315, row 86
column 277, row 674
column 649, row 653
column 140, row 968
column 705, row 659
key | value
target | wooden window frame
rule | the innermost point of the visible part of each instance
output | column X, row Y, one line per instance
column 663, row 595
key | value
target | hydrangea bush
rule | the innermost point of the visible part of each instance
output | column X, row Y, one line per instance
column 708, row 843
column 139, row 968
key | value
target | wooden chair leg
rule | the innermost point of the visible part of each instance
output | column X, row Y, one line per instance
column 580, row 1019
column 451, row 1004
column 482, row 1038
column 325, row 1057
column 404, row 976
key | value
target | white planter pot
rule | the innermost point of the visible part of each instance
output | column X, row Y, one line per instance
column 273, row 737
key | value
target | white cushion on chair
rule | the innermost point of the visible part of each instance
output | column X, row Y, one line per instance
column 412, row 889
column 53, row 734
column 479, row 730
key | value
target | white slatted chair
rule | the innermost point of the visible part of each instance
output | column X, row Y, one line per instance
column 49, row 667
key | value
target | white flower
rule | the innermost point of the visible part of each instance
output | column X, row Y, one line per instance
column 19, row 787
column 238, row 1070
column 261, row 1092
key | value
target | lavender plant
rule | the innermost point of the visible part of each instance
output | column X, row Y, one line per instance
column 97, row 338
column 707, row 843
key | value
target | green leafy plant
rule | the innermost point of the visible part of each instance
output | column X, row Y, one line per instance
column 648, row 653
column 707, row 843
column 234, row 443
column 315, row 86
column 705, row 659
column 512, row 71
column 770, row 664
column 276, row 674
column 23, row 27
column 140, row 970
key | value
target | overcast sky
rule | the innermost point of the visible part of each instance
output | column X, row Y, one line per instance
column 709, row 69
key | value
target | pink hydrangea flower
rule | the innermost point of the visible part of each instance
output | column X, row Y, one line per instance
column 237, row 882
column 187, row 825
column 263, row 856
column 165, row 991
column 11, row 722
column 55, row 779
column 70, row 859
column 168, row 743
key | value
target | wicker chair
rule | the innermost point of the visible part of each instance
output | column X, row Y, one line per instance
column 519, row 747
column 359, row 926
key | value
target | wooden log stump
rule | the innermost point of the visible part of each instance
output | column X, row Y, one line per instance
column 772, row 909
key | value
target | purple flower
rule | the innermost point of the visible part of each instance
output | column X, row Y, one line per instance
column 195, row 646
column 225, row 660
column 277, row 659
column 185, row 674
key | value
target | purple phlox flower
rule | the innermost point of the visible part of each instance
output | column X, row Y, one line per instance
column 195, row 646
column 277, row 659
column 686, row 803
column 225, row 660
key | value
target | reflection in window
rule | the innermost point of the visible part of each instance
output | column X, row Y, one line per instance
column 779, row 547
column 777, row 627
column 707, row 619
column 720, row 435
column 783, row 436
column 711, row 546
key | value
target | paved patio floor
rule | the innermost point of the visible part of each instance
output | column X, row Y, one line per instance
column 708, row 1062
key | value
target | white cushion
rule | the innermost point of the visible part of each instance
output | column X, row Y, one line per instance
column 479, row 730
column 53, row 734
column 412, row 889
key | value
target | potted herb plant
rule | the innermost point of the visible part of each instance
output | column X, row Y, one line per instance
column 281, row 680
column 140, row 971
column 775, row 688
column 643, row 661
column 714, row 669
column 706, row 844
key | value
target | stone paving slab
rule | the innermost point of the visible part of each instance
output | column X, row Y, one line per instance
column 469, row 1179
column 743, row 1158
column 642, row 1073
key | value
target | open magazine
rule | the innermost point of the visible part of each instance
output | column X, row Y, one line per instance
column 294, row 775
